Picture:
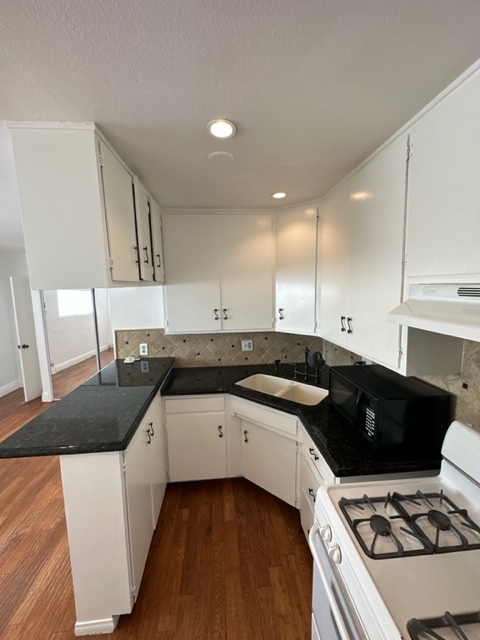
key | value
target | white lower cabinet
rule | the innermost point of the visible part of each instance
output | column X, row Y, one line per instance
column 196, row 438
column 112, row 500
column 269, row 460
column 268, row 448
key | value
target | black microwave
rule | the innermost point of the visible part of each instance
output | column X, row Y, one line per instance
column 389, row 409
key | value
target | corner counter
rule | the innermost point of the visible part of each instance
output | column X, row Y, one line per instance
column 100, row 415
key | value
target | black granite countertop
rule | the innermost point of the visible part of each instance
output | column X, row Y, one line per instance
column 344, row 450
column 100, row 415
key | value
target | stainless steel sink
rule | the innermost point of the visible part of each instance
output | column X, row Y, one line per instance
column 282, row 388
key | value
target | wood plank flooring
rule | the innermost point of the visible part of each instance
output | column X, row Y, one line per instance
column 228, row 561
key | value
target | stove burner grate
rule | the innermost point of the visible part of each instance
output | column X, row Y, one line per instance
column 384, row 525
column 436, row 628
column 386, row 530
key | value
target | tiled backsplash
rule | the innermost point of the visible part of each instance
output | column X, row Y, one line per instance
column 204, row 349
column 198, row 350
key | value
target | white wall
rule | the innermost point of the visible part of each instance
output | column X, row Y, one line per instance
column 71, row 339
column 12, row 263
column 137, row 307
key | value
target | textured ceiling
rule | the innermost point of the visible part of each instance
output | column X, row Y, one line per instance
column 314, row 86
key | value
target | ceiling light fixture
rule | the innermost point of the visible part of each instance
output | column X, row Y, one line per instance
column 221, row 128
column 279, row 195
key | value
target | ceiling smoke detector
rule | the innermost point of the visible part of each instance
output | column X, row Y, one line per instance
column 221, row 128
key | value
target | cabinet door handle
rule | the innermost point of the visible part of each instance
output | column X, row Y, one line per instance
column 225, row 317
column 146, row 254
column 349, row 322
column 281, row 315
column 220, row 432
column 342, row 320
column 157, row 255
column 137, row 251
column 215, row 314
column 245, row 434
column 151, row 429
column 313, row 453
column 312, row 493
column 149, row 436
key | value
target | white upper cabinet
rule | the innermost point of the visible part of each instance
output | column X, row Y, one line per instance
column 443, row 228
column 295, row 269
column 361, row 257
column 218, row 272
column 78, row 209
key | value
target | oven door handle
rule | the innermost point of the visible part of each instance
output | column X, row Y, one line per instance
column 315, row 531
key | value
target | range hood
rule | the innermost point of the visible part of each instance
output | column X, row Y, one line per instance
column 450, row 309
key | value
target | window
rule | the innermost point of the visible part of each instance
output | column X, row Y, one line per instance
column 76, row 302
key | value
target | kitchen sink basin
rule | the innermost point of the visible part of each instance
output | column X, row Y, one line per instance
column 282, row 388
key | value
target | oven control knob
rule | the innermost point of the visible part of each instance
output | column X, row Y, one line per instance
column 326, row 532
column 335, row 554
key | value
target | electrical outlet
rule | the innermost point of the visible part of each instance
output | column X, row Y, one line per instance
column 144, row 366
column 143, row 349
column 247, row 345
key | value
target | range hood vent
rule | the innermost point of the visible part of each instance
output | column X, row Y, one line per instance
column 469, row 292
column 450, row 309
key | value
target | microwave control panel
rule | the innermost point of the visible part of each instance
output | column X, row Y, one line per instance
column 370, row 422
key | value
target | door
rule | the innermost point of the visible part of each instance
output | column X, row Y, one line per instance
column 192, row 291
column 26, row 338
column 245, row 246
column 120, row 214
column 269, row 460
column 295, row 266
column 196, row 446
column 142, row 215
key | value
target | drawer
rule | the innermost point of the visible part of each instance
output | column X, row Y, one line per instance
column 264, row 417
column 311, row 451
column 194, row 404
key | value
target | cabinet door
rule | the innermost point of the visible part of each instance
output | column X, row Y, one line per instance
column 376, row 229
column 120, row 213
column 295, row 266
column 444, row 189
column 157, row 459
column 334, row 266
column 142, row 214
column 192, row 291
column 196, row 446
column 360, row 276
column 157, row 242
column 139, row 501
column 245, row 244
column 270, row 461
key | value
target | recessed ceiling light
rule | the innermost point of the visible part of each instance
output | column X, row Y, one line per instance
column 221, row 128
column 279, row 195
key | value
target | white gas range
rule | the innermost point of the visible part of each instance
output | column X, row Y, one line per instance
column 400, row 559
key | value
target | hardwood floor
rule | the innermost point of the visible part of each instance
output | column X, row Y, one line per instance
column 228, row 561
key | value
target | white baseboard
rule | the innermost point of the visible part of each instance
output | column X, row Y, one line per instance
column 92, row 627
column 8, row 388
column 84, row 356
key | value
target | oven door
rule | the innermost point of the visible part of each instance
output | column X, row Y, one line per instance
column 334, row 613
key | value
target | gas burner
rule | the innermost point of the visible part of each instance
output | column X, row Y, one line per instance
column 463, row 627
column 439, row 520
column 380, row 526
